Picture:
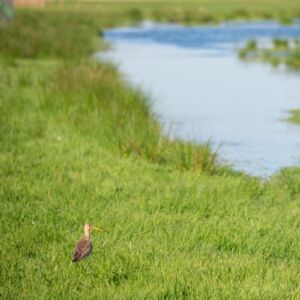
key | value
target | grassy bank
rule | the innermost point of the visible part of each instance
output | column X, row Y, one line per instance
column 78, row 145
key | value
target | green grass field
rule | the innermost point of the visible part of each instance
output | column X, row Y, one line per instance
column 79, row 145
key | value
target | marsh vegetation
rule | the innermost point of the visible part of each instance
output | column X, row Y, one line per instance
column 282, row 51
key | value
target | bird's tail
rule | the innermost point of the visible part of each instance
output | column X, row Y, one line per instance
column 75, row 258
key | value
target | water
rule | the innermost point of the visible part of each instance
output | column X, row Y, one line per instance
column 204, row 92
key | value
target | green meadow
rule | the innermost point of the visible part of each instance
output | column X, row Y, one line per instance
column 78, row 144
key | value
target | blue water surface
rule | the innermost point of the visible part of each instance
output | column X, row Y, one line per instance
column 202, row 91
column 208, row 37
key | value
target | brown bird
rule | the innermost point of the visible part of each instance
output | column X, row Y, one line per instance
column 84, row 247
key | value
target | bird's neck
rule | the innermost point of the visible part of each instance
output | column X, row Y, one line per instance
column 86, row 233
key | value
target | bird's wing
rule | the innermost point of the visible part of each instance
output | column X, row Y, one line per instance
column 83, row 249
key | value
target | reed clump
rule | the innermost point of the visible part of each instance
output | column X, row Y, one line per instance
column 282, row 52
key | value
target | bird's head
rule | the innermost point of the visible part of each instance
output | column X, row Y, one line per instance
column 88, row 228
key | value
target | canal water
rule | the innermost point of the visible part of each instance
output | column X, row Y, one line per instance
column 202, row 91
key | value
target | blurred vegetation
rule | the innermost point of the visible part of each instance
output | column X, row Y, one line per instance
column 186, row 12
column 44, row 34
column 282, row 52
column 294, row 116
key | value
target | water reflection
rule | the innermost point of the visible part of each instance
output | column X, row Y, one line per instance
column 205, row 92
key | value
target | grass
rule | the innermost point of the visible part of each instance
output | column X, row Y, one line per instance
column 188, row 12
column 281, row 53
column 79, row 145
column 294, row 116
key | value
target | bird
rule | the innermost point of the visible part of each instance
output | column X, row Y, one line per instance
column 84, row 247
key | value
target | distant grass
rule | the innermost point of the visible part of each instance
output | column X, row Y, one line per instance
column 294, row 116
column 194, row 11
column 280, row 53
column 42, row 34
column 280, row 44
column 79, row 145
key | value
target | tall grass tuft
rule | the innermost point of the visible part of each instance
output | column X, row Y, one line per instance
column 119, row 117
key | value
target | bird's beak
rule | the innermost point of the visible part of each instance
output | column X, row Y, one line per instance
column 99, row 229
